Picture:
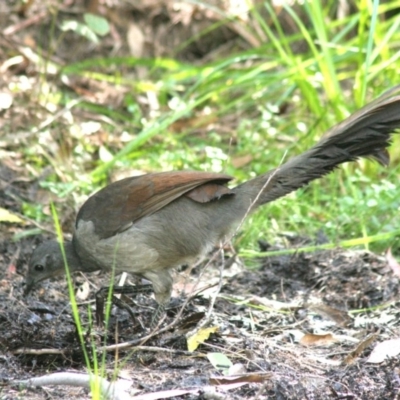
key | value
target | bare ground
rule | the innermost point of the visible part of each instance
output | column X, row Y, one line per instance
column 301, row 326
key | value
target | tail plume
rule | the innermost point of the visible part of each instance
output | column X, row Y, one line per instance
column 366, row 133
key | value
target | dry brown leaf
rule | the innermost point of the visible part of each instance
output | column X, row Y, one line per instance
column 350, row 358
column 245, row 378
column 339, row 316
column 310, row 339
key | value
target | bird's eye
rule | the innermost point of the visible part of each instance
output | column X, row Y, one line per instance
column 39, row 268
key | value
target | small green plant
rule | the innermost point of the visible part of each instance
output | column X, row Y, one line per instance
column 95, row 362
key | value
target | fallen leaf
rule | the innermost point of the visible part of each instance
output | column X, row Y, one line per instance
column 237, row 369
column 220, row 362
column 7, row 216
column 200, row 337
column 339, row 316
column 254, row 377
column 310, row 339
column 350, row 358
column 384, row 350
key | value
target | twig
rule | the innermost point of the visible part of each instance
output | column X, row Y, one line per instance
column 110, row 390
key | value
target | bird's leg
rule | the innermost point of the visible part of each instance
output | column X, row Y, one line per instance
column 158, row 313
column 162, row 284
column 103, row 293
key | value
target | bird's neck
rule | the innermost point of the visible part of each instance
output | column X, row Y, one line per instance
column 80, row 254
column 73, row 260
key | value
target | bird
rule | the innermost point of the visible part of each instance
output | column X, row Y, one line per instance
column 150, row 224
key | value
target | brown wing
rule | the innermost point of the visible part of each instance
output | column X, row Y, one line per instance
column 117, row 206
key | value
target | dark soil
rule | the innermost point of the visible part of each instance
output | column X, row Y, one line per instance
column 259, row 318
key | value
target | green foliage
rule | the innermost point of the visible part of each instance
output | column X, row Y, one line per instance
column 279, row 97
column 93, row 27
